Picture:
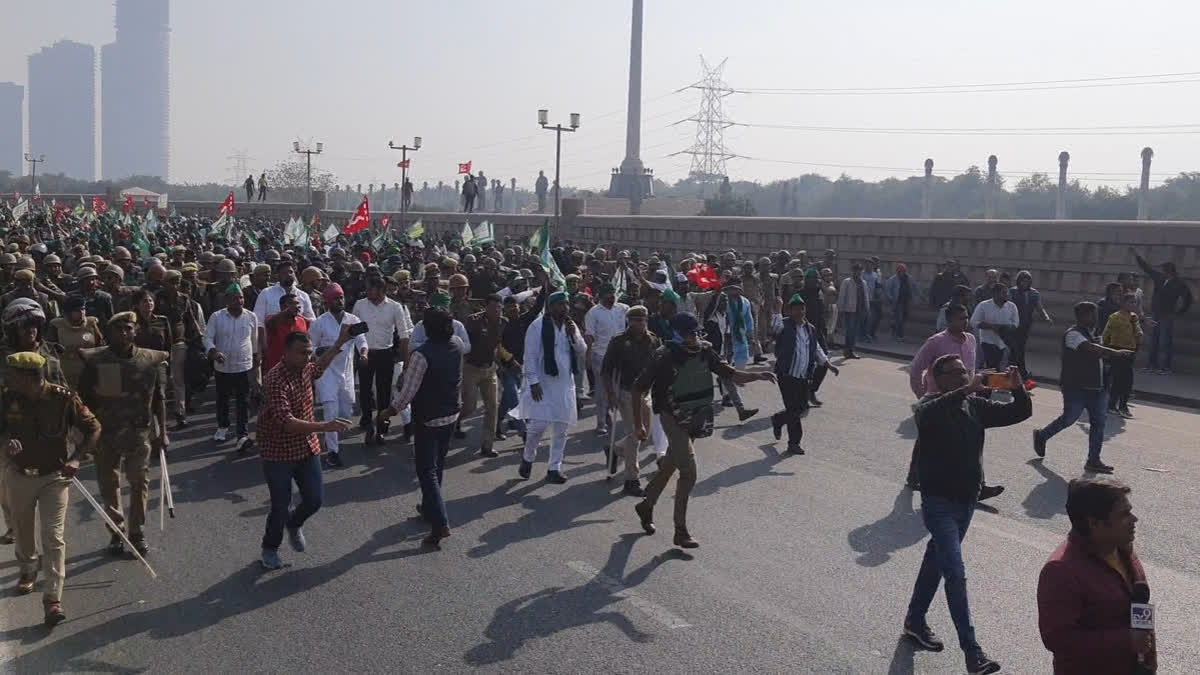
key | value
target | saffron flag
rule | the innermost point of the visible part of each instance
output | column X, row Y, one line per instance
column 128, row 205
column 226, row 206
column 464, row 167
column 361, row 219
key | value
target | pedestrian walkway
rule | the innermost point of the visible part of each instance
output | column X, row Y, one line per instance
column 1176, row 389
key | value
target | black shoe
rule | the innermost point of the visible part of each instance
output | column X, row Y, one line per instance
column 460, row 434
column 139, row 545
column 726, row 401
column 54, row 614
column 500, row 435
column 658, row 462
column 913, row 485
column 370, row 438
column 795, row 450
column 555, row 477
column 746, row 413
column 435, row 538
column 613, row 459
column 924, row 637
column 1097, row 467
column 645, row 514
column 814, row 401
column 759, row 359
column 7, row 538
column 989, row 491
column 633, row 488
column 333, row 460
column 979, row 664
column 777, row 427
column 365, row 423
column 181, row 422
column 685, row 540
column 1039, row 443
column 526, row 469
column 116, row 546
column 488, row 452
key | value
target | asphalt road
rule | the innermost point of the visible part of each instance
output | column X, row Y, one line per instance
column 806, row 563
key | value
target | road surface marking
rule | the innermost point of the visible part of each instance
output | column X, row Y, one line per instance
column 618, row 589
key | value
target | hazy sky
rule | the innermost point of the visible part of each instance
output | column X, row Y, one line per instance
column 468, row 76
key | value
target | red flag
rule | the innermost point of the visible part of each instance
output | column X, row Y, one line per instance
column 128, row 205
column 37, row 198
column 403, row 165
column 464, row 168
column 384, row 223
column 704, row 277
column 99, row 205
column 59, row 210
column 361, row 219
column 226, row 206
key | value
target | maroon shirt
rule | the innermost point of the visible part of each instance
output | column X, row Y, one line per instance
column 287, row 395
column 1083, row 611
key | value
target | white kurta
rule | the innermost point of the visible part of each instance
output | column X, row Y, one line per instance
column 339, row 375
column 558, row 392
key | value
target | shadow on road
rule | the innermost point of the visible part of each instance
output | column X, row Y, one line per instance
column 902, row 658
column 899, row 529
column 548, row 611
column 743, row 473
column 1048, row 498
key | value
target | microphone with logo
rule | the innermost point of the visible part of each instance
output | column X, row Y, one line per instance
column 1141, row 617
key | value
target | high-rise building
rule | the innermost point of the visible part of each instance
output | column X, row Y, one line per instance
column 134, row 96
column 12, row 127
column 62, row 108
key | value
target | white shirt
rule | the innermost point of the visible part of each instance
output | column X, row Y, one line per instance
column 603, row 324
column 419, row 338
column 999, row 315
column 384, row 318
column 268, row 302
column 339, row 374
column 235, row 337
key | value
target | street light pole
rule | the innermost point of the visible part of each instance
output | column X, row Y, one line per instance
column 558, row 129
column 404, row 173
column 33, row 162
column 308, row 153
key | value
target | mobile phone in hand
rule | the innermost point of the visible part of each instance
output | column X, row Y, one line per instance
column 359, row 328
column 996, row 380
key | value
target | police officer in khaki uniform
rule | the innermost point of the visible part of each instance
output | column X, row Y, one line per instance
column 125, row 385
column 35, row 421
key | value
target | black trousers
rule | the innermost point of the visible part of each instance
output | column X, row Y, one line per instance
column 1018, row 340
column 375, row 381
column 236, row 385
column 819, row 373
column 794, row 391
column 993, row 356
column 1122, row 382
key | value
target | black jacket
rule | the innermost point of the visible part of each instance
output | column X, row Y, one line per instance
column 950, row 437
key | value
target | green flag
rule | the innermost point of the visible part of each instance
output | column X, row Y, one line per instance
column 540, row 237
column 483, row 233
column 467, row 235
column 137, row 235
column 551, row 267
column 330, row 233
column 416, row 230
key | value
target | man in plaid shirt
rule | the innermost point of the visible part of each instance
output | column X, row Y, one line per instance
column 288, row 440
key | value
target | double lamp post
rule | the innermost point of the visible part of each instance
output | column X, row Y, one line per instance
column 558, row 129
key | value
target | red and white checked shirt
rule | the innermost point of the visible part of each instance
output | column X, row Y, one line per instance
column 288, row 395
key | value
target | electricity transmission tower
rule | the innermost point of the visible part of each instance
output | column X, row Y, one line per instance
column 241, row 166
column 709, row 153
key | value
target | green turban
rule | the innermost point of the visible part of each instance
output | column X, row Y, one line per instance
column 439, row 299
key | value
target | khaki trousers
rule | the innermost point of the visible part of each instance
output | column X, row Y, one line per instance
column 481, row 382
column 682, row 456
column 629, row 444
column 178, row 381
column 134, row 450
column 46, row 496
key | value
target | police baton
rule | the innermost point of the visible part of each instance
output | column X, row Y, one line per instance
column 111, row 524
column 164, row 490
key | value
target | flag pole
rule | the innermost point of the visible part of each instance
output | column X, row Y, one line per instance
column 112, row 525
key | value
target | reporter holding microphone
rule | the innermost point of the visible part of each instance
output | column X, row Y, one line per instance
column 1093, row 599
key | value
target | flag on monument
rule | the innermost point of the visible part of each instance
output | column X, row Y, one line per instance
column 361, row 219
column 467, row 236
column 464, row 167
column 416, row 230
column 162, row 201
column 128, row 205
column 20, row 209
column 226, row 206
column 483, row 233
column 330, row 233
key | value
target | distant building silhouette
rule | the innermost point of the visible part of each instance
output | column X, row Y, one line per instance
column 62, row 111
column 135, row 92
column 12, row 127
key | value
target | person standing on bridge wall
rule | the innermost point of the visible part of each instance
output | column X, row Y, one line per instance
column 540, row 187
column 950, row 430
column 262, row 187
column 468, row 194
column 249, row 185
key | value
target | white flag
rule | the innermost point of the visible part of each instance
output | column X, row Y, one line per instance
column 20, row 209
column 483, row 233
column 162, row 202
column 467, row 235
column 330, row 233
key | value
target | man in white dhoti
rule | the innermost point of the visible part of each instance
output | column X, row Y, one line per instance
column 335, row 387
column 548, row 399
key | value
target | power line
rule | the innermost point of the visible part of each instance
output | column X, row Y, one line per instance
column 1097, row 177
column 1123, row 130
column 1032, row 85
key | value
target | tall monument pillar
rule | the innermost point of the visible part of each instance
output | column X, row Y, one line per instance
column 927, row 191
column 632, row 182
column 989, row 194
column 1144, row 188
column 1060, row 207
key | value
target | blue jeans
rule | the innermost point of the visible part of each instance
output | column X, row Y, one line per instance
column 1074, row 403
column 899, row 316
column 279, row 475
column 871, row 324
column 1162, row 349
column 853, row 326
column 430, row 445
column 510, row 386
column 947, row 522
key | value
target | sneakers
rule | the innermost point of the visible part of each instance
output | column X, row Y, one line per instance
column 814, row 401
column 989, row 491
column 243, row 444
column 181, row 422
column 1039, row 443
column 645, row 512
column 221, row 435
column 333, row 460
column 602, row 431
column 526, row 469
column 923, row 636
column 139, row 544
column 54, row 614
column 116, row 545
column 795, row 450
column 746, row 413
column 759, row 360
column 777, row 427
column 296, row 539
column 633, row 488
column 26, row 582
column 270, row 559
column 1098, row 467
column 979, row 664
column 488, row 452
column 1112, row 410
column 500, row 435
column 1124, row 412
column 685, row 540
column 555, row 477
